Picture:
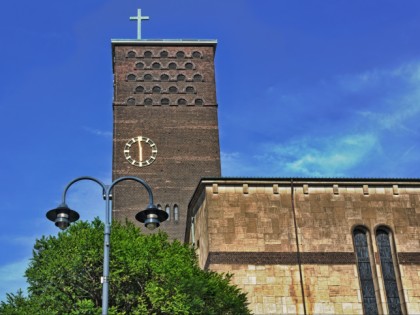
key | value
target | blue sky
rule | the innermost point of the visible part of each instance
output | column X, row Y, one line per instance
column 326, row 88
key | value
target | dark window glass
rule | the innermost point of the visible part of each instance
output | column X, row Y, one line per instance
column 388, row 272
column 156, row 65
column 131, row 77
column 131, row 54
column 180, row 77
column 148, row 77
column 139, row 65
column 164, row 54
column 131, row 101
column 198, row 78
column 365, row 271
column 198, row 101
column 173, row 89
column 180, row 54
column 196, row 54
column 182, row 101
column 189, row 89
column 164, row 77
column 189, row 65
column 172, row 65
column 156, row 89
column 148, row 54
column 164, row 101
column 139, row 89
column 148, row 101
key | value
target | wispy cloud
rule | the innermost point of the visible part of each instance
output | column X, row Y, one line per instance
column 341, row 126
column 97, row 132
column 12, row 277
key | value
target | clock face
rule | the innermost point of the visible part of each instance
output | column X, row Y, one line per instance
column 140, row 151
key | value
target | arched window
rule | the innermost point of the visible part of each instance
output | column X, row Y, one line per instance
column 164, row 101
column 180, row 77
column 198, row 101
column 139, row 65
column 148, row 54
column 156, row 65
column 148, row 101
column 189, row 66
column 139, row 89
column 196, row 54
column 198, row 78
column 159, row 206
column 148, row 77
column 156, row 89
column 164, row 77
column 176, row 213
column 362, row 249
column 386, row 255
column 189, row 89
column 131, row 54
column 168, row 211
column 131, row 101
column 131, row 77
column 164, row 54
column 182, row 101
column 173, row 89
column 172, row 65
column 180, row 54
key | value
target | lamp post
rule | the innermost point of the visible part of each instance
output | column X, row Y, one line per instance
column 62, row 216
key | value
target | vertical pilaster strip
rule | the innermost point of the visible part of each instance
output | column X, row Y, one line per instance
column 299, row 258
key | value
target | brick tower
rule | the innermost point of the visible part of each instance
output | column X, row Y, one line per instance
column 165, row 124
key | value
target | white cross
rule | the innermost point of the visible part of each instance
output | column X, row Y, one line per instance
column 139, row 18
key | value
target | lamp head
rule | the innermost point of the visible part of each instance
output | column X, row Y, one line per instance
column 62, row 216
column 152, row 217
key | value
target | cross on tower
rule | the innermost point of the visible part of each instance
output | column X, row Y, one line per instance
column 139, row 18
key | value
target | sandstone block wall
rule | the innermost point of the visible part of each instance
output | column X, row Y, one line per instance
column 248, row 228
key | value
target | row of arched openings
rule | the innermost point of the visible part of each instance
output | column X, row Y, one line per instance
column 166, row 101
column 172, row 90
column 367, row 274
column 164, row 54
column 173, row 213
column 164, row 77
column 171, row 66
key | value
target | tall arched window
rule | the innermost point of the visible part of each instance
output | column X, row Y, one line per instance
column 168, row 211
column 360, row 236
column 176, row 213
column 384, row 243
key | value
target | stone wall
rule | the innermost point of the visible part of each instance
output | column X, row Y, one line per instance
column 247, row 227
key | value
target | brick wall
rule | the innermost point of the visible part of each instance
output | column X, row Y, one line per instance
column 186, row 134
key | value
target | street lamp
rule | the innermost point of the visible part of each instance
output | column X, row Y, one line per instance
column 63, row 216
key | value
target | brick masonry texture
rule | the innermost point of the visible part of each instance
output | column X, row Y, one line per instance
column 186, row 136
column 246, row 227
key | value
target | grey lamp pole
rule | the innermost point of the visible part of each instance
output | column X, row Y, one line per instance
column 62, row 216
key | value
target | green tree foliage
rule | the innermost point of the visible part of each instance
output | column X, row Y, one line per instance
column 148, row 275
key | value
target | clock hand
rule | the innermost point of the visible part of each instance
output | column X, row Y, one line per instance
column 140, row 152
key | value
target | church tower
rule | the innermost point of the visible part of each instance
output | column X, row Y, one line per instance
column 165, row 124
